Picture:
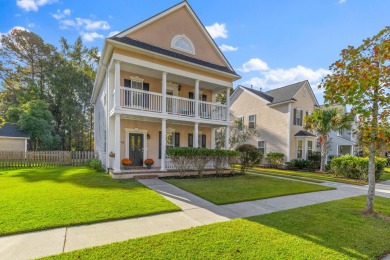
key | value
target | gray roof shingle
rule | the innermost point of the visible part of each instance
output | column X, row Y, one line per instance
column 285, row 93
column 304, row 133
column 153, row 48
column 12, row 130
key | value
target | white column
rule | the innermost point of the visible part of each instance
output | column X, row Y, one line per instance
column 213, row 138
column 196, row 135
column 227, row 136
column 163, row 143
column 25, row 145
column 164, row 92
column 117, row 148
column 117, row 83
column 228, row 104
column 196, row 98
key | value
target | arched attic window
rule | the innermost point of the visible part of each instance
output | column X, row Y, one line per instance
column 183, row 43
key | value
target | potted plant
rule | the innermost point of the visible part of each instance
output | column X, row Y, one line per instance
column 126, row 162
column 149, row 162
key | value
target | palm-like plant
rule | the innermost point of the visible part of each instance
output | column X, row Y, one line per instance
column 323, row 121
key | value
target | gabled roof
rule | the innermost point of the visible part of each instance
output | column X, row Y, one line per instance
column 149, row 47
column 186, row 5
column 285, row 93
column 259, row 93
column 304, row 133
column 12, row 130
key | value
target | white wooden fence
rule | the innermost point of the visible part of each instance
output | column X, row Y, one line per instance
column 44, row 158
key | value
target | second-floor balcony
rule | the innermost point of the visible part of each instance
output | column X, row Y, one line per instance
column 142, row 100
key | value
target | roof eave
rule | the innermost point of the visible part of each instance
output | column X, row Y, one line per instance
column 282, row 103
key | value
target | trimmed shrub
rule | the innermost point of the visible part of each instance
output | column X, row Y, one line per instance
column 249, row 156
column 201, row 156
column 275, row 159
column 298, row 164
column 354, row 167
column 181, row 157
column 96, row 164
column 221, row 158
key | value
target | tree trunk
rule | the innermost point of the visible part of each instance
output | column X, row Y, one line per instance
column 371, row 163
column 323, row 152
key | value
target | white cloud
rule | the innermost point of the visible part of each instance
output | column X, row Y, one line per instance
column 60, row 15
column 276, row 78
column 91, row 36
column 31, row 25
column 33, row 5
column 253, row 65
column 217, row 30
column 84, row 23
column 113, row 33
column 225, row 47
column 342, row 1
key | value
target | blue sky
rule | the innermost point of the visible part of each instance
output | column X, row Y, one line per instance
column 269, row 43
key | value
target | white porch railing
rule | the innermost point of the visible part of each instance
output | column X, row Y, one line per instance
column 213, row 111
column 152, row 101
column 180, row 106
column 141, row 100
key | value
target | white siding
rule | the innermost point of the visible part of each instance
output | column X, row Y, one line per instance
column 100, row 113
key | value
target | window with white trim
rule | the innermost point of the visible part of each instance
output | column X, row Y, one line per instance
column 261, row 146
column 300, row 149
column 183, row 43
column 252, row 121
column 309, row 148
column 298, row 116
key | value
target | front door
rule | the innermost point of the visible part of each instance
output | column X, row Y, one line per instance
column 136, row 149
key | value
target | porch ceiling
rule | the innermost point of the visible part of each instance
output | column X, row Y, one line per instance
column 140, row 70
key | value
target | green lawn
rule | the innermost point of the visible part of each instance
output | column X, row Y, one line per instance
column 332, row 230
column 243, row 188
column 306, row 175
column 386, row 175
column 35, row 199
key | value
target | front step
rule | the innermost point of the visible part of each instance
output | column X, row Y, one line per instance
column 145, row 176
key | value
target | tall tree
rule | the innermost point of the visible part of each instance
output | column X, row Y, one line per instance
column 361, row 78
column 36, row 119
column 322, row 122
column 239, row 134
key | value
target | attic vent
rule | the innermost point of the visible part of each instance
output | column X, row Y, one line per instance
column 182, row 43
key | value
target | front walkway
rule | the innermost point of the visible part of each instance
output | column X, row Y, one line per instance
column 195, row 212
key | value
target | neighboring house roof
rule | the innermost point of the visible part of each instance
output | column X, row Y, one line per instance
column 304, row 133
column 285, row 93
column 11, row 130
column 280, row 95
column 150, row 47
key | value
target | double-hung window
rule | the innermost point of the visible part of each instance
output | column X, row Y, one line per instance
column 252, row 121
column 261, row 146
column 300, row 149
column 298, row 116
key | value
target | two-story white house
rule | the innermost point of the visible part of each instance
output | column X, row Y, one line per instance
column 156, row 87
column 278, row 116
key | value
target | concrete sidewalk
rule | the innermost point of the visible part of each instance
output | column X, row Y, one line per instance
column 195, row 212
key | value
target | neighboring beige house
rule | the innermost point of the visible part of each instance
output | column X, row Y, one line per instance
column 156, row 87
column 278, row 115
column 12, row 138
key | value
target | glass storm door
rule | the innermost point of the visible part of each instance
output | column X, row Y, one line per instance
column 136, row 149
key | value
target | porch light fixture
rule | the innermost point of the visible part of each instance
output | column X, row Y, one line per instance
column 148, row 136
column 179, row 87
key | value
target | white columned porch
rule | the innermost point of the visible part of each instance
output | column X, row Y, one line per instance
column 163, row 143
column 196, row 135
column 227, row 129
column 117, row 83
column 164, row 92
column 213, row 138
column 196, row 97
column 117, row 148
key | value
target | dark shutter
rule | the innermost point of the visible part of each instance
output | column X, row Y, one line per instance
column 307, row 113
column 301, row 117
column 295, row 116
column 190, row 140
column 203, row 141
column 159, row 145
column 177, row 139
column 191, row 95
column 127, row 83
column 145, row 87
column 204, row 97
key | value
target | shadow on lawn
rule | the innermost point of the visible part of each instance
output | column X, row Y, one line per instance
column 81, row 176
column 337, row 225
